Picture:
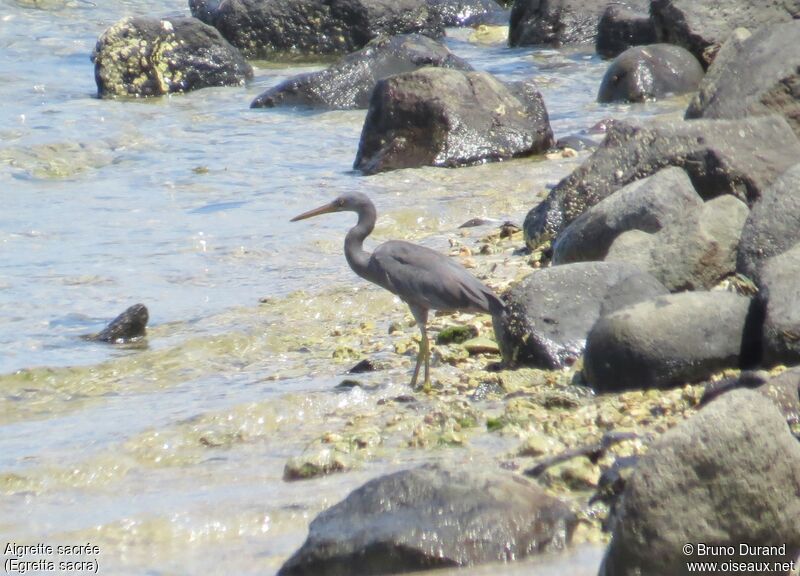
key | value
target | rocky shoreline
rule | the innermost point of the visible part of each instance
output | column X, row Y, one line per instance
column 647, row 366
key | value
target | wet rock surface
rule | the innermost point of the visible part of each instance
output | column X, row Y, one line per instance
column 262, row 29
column 557, row 22
column 446, row 118
column 551, row 312
column 779, row 296
column 128, row 326
column 349, row 83
column 705, row 481
column 432, row 517
column 720, row 156
column 773, row 225
column 621, row 27
column 469, row 12
column 650, row 72
column 667, row 341
column 701, row 27
column 143, row 56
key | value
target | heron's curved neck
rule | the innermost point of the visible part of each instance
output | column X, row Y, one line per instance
column 357, row 257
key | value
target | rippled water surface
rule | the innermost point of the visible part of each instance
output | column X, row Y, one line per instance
column 171, row 456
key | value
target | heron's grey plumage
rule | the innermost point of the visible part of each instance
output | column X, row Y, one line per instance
column 421, row 277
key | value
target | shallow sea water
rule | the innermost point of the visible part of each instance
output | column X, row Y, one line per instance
column 171, row 457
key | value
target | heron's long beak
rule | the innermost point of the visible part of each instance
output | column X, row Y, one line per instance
column 330, row 207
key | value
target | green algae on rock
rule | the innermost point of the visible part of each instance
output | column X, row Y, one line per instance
column 152, row 57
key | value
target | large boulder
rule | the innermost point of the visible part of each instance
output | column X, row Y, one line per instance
column 557, row 22
column 349, row 82
column 780, row 299
column 651, row 72
column 620, row 28
column 431, row 517
column 727, row 477
column 701, row 27
column 549, row 314
column 759, row 75
column 667, row 341
column 693, row 254
column 262, row 29
column 661, row 225
column 651, row 204
column 442, row 117
column 151, row 57
column 773, row 225
column 738, row 157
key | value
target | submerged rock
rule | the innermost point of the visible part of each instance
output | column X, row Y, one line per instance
column 447, row 118
column 650, row 72
column 773, row 225
column 432, row 517
column 128, row 326
column 550, row 313
column 621, row 27
column 152, row 57
column 667, row 341
column 727, row 476
column 738, row 157
column 757, row 75
column 261, row 29
column 349, row 82
column 701, row 27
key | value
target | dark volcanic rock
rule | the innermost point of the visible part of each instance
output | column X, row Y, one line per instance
column 650, row 72
column 441, row 117
column 349, row 82
column 550, row 313
column 204, row 10
column 739, row 157
column 773, row 225
column 650, row 204
column 780, row 298
column 152, row 57
column 469, row 12
column 667, row 341
column 431, row 517
column 661, row 225
column 701, row 27
column 620, row 28
column 784, row 391
column 692, row 254
column 128, row 326
column 557, row 22
column 758, row 75
column 728, row 475
column 261, row 29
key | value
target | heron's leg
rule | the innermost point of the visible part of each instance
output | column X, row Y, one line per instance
column 421, row 316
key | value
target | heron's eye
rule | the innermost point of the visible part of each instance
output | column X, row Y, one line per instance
column 340, row 202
